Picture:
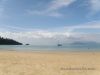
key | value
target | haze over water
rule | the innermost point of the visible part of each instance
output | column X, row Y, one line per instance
column 49, row 48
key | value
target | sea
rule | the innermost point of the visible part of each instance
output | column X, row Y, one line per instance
column 49, row 48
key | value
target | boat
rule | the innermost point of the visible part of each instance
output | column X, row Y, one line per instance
column 59, row 45
column 27, row 44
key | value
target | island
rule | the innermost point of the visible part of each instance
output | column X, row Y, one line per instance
column 7, row 41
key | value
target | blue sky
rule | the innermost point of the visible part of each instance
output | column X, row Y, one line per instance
column 45, row 20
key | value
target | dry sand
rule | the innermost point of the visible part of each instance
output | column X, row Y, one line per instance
column 49, row 63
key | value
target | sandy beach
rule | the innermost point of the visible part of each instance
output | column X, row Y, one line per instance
column 49, row 63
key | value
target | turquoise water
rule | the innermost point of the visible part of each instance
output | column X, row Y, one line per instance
column 49, row 48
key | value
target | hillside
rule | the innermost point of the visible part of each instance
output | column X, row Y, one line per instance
column 6, row 41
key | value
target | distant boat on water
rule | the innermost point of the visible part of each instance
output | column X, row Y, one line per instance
column 59, row 45
column 27, row 44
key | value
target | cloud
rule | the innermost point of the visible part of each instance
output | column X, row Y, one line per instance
column 53, row 8
column 58, row 4
column 33, row 37
column 15, row 28
column 50, row 37
column 89, row 25
column 94, row 6
column 45, row 13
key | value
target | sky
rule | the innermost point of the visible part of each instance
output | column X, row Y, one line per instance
column 45, row 22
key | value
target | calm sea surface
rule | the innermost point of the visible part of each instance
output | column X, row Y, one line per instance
column 49, row 48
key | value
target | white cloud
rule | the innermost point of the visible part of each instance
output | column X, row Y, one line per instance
column 89, row 25
column 58, row 4
column 36, row 36
column 50, row 37
column 94, row 6
column 52, row 8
